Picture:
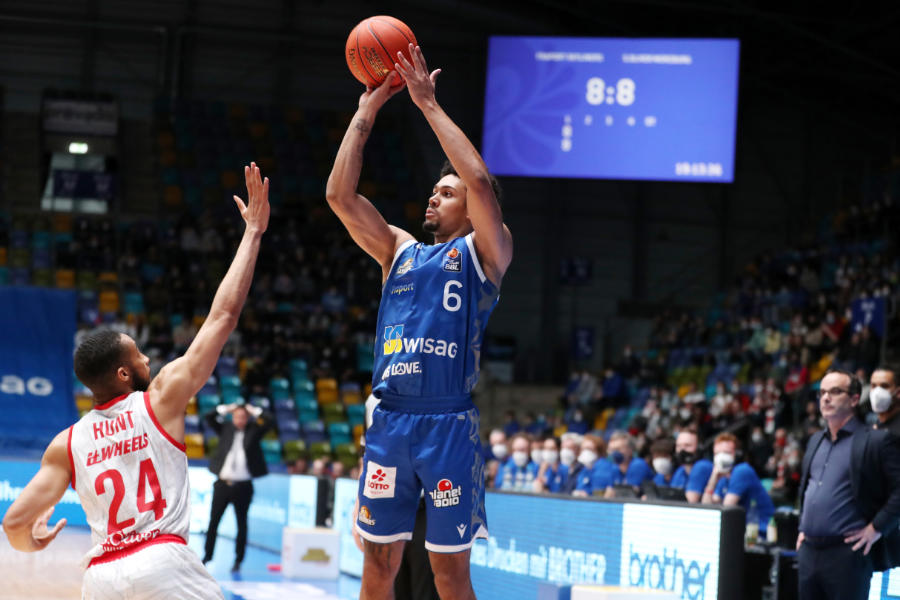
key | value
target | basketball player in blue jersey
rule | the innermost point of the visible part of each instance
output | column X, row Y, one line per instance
column 435, row 304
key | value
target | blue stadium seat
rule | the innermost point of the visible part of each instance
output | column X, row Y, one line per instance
column 339, row 433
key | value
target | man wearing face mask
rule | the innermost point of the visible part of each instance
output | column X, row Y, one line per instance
column 693, row 471
column 590, row 463
column 883, row 398
column 569, row 444
column 661, row 452
column 497, row 455
column 628, row 468
column 737, row 484
column 519, row 472
column 850, row 499
column 552, row 474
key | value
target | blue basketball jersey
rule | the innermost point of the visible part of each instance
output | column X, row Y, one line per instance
column 434, row 308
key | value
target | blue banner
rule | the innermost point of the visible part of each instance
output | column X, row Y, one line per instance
column 36, row 379
column 869, row 312
column 345, row 492
column 15, row 475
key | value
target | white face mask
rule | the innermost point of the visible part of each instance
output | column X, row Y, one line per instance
column 537, row 456
column 500, row 451
column 520, row 458
column 551, row 456
column 880, row 399
column 567, row 456
column 685, row 413
column 723, row 461
column 663, row 465
column 587, row 457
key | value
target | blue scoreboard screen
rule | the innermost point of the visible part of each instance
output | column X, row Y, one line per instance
column 611, row 108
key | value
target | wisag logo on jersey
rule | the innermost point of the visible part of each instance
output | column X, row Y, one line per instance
column 394, row 342
column 393, row 339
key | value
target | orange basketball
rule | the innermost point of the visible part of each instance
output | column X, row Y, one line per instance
column 372, row 48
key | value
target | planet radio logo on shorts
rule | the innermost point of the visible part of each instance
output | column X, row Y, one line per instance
column 365, row 516
column 452, row 261
column 380, row 481
column 445, row 494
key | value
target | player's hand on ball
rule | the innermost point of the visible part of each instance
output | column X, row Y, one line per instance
column 421, row 84
column 256, row 212
column 375, row 98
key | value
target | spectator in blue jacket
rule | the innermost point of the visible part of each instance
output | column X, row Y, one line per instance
column 693, row 471
column 519, row 473
column 661, row 457
column 593, row 467
column 628, row 468
column 737, row 484
column 552, row 473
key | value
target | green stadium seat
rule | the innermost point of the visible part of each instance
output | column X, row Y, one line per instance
column 293, row 450
column 320, row 450
column 333, row 413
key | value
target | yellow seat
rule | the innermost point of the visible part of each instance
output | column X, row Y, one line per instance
column 349, row 397
column 560, row 429
column 65, row 279
column 326, row 390
column 84, row 403
column 109, row 301
column 192, row 406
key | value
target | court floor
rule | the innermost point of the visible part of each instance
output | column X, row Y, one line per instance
column 54, row 574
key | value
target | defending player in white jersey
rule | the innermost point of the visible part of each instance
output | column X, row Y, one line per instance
column 125, row 458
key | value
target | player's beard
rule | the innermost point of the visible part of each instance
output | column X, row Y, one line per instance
column 430, row 226
column 140, row 384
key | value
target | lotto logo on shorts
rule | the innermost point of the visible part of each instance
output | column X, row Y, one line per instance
column 380, row 481
column 445, row 494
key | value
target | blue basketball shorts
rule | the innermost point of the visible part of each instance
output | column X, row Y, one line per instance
column 407, row 453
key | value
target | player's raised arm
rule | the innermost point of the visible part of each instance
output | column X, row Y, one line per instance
column 183, row 377
column 25, row 523
column 363, row 221
column 492, row 238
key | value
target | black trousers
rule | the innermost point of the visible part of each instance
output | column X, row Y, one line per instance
column 833, row 573
column 239, row 494
column 415, row 580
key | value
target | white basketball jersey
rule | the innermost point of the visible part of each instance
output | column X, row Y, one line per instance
column 131, row 477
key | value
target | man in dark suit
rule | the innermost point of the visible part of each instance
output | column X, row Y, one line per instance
column 238, row 459
column 850, row 494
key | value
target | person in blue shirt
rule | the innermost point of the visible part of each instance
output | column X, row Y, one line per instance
column 569, row 444
column 629, row 469
column 519, row 473
column 661, row 455
column 435, row 305
column 552, row 473
column 693, row 472
column 596, row 471
column 737, row 484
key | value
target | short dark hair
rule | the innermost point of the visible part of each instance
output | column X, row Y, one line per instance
column 890, row 368
column 98, row 356
column 855, row 388
column 449, row 169
column 663, row 446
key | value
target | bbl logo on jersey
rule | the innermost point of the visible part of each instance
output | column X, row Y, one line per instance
column 453, row 261
column 393, row 339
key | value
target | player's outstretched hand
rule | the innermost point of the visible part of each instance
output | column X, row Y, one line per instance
column 374, row 98
column 420, row 82
column 39, row 532
column 256, row 212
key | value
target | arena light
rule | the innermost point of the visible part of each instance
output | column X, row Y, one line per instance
column 78, row 148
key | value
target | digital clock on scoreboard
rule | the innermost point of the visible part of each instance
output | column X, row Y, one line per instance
column 611, row 108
